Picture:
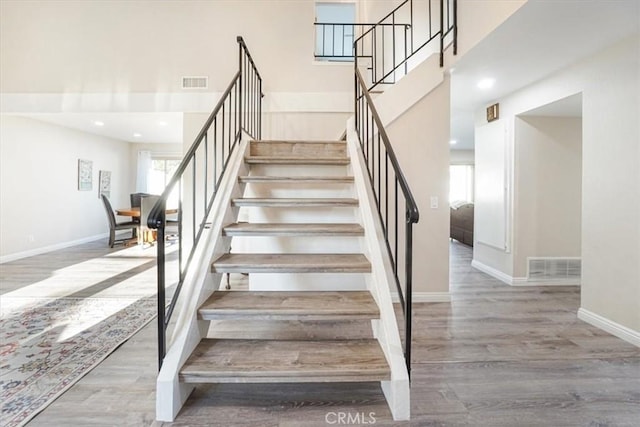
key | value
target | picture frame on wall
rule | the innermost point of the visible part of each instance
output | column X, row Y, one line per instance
column 85, row 175
column 105, row 184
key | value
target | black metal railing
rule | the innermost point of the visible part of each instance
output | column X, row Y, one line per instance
column 335, row 41
column 388, row 53
column 197, row 179
column 392, row 196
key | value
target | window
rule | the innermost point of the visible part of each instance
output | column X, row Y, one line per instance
column 335, row 31
column 159, row 176
column 461, row 183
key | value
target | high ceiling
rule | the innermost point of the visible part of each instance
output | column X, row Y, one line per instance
column 541, row 38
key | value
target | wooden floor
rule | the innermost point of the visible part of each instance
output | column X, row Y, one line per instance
column 496, row 356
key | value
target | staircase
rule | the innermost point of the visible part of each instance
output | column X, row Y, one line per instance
column 326, row 234
column 310, row 313
column 294, row 356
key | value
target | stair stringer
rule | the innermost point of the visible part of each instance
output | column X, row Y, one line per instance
column 198, row 286
column 379, row 282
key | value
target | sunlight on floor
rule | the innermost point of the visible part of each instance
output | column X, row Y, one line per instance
column 129, row 273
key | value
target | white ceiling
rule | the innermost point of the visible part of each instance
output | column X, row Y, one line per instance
column 541, row 38
column 159, row 128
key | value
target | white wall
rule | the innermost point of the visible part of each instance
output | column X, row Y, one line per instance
column 130, row 56
column 304, row 125
column 462, row 157
column 147, row 46
column 548, row 189
column 609, row 83
column 41, row 206
column 424, row 159
column 491, row 214
column 478, row 18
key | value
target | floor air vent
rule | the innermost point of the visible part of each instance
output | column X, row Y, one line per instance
column 555, row 269
column 195, row 82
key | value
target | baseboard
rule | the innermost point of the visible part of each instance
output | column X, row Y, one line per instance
column 622, row 332
column 425, row 297
column 519, row 281
column 496, row 274
column 50, row 248
column 523, row 281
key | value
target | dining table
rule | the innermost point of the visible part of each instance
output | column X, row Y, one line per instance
column 145, row 235
column 135, row 212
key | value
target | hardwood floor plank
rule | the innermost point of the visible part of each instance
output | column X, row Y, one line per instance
column 587, row 377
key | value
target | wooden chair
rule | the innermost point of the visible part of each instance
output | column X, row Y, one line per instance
column 136, row 199
column 115, row 226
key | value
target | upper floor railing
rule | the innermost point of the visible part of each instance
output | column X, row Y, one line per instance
column 238, row 110
column 400, row 40
column 335, row 41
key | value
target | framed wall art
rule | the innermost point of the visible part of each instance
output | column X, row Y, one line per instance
column 85, row 175
column 105, row 184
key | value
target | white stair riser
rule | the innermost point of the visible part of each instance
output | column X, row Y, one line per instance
column 310, row 190
column 307, row 282
column 300, row 170
column 298, row 215
column 306, row 244
column 287, row 329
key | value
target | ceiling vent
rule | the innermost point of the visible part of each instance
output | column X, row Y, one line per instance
column 542, row 269
column 195, row 82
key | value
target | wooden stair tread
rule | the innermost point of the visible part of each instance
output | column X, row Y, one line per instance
column 237, row 361
column 297, row 160
column 291, row 263
column 296, row 141
column 295, row 202
column 289, row 229
column 296, row 179
column 287, row 305
column 304, row 149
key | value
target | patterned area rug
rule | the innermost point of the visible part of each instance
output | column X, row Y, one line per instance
column 48, row 344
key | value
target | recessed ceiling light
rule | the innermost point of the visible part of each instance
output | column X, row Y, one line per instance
column 453, row 142
column 162, row 123
column 486, row 83
column 137, row 135
column 98, row 123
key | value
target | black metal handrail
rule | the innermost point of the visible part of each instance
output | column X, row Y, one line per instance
column 337, row 39
column 379, row 155
column 201, row 170
column 388, row 51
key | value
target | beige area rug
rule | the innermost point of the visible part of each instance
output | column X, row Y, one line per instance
column 48, row 344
